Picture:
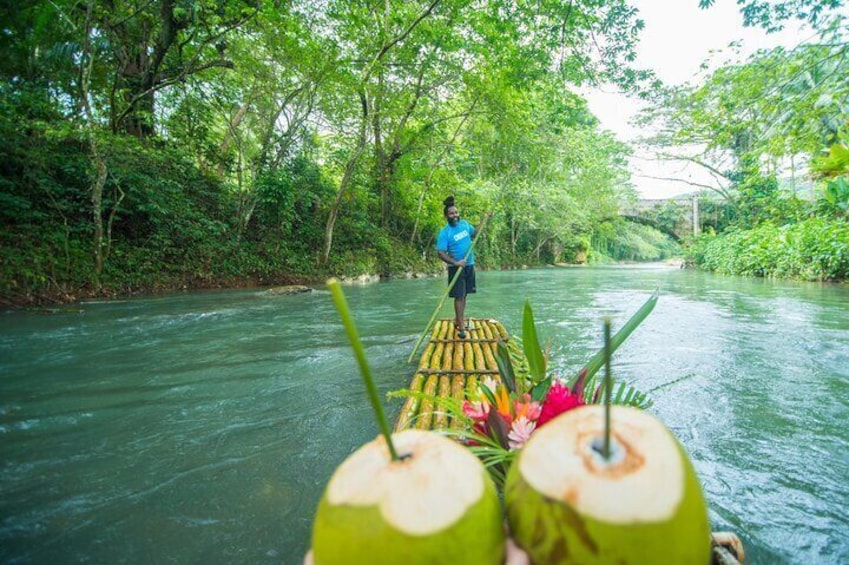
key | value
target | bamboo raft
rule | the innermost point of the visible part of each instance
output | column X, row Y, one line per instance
column 449, row 371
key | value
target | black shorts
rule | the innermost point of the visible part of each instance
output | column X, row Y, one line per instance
column 465, row 282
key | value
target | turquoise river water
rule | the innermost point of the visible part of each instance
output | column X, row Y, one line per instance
column 202, row 427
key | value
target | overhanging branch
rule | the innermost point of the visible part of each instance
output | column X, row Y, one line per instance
column 719, row 190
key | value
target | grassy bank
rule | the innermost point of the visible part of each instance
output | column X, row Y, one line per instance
column 813, row 249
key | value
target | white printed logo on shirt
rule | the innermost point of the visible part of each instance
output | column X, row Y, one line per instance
column 461, row 235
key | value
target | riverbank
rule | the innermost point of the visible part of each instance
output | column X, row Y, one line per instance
column 812, row 249
column 49, row 299
column 56, row 296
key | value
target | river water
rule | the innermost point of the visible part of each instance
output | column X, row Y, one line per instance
column 202, row 428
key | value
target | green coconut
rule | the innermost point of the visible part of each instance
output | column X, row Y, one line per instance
column 566, row 503
column 435, row 505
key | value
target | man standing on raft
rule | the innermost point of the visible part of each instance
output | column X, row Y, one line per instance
column 452, row 244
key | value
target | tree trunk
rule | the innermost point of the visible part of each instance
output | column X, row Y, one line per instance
column 379, row 151
column 99, row 180
column 136, row 85
column 346, row 179
column 514, row 236
column 230, row 134
column 119, row 197
column 96, row 193
column 426, row 186
column 142, row 42
column 139, row 121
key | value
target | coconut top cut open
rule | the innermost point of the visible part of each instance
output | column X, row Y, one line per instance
column 642, row 481
column 429, row 489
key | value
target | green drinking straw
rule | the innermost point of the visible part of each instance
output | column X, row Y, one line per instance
column 608, row 387
column 360, row 354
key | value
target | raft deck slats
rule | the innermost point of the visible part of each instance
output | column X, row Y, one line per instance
column 450, row 369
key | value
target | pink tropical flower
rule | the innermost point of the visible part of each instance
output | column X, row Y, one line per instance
column 477, row 411
column 520, row 431
column 558, row 400
column 527, row 408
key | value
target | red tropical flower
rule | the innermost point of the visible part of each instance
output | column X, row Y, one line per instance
column 559, row 399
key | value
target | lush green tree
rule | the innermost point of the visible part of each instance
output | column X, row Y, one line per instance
column 150, row 46
column 409, row 64
column 758, row 127
column 555, row 173
column 832, row 168
column 247, row 124
column 772, row 15
column 747, row 122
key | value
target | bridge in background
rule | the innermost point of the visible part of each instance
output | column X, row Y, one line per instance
column 682, row 212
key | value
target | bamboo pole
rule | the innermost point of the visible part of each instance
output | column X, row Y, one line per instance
column 440, row 416
column 436, row 357
column 411, row 406
column 425, row 418
column 448, row 356
column 447, row 290
column 458, row 355
column 458, row 393
column 443, row 330
column 483, row 371
column 424, row 363
column 480, row 362
column 472, row 387
column 468, row 357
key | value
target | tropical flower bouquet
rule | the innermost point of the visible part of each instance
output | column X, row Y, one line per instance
column 518, row 417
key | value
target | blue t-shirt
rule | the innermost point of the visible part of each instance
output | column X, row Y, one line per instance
column 457, row 240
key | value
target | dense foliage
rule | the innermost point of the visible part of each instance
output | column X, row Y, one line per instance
column 160, row 145
column 812, row 249
column 621, row 241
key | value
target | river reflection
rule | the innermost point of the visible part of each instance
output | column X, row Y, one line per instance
column 203, row 427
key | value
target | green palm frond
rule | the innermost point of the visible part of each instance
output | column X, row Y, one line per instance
column 623, row 394
column 533, row 351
